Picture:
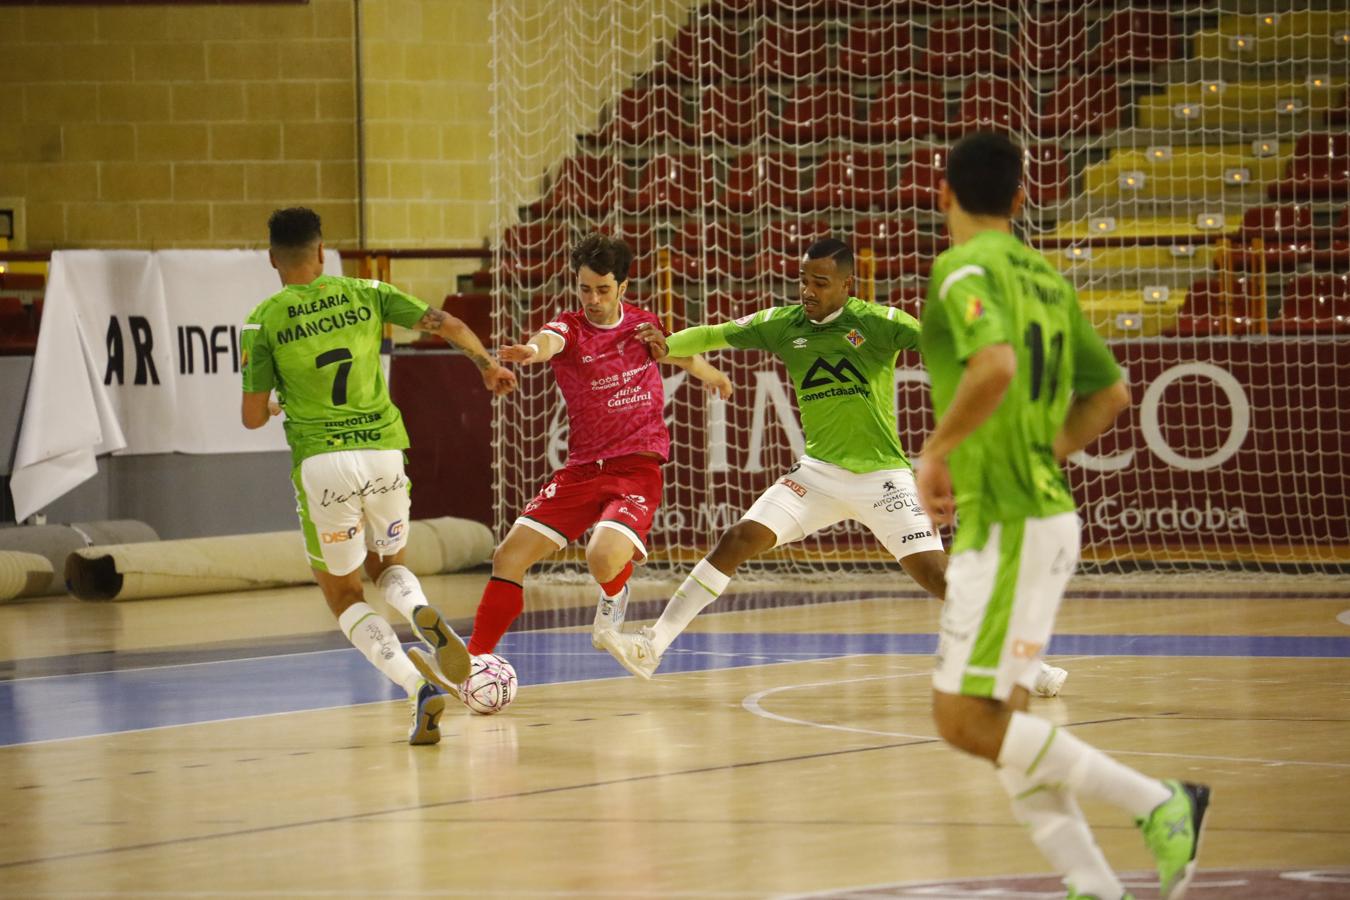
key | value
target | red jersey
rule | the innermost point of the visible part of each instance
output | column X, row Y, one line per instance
column 615, row 399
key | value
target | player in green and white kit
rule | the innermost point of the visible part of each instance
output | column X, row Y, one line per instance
column 1020, row 380
column 317, row 344
column 840, row 354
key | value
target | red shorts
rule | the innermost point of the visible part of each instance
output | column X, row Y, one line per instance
column 621, row 493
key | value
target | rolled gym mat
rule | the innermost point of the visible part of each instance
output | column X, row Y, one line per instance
column 57, row 542
column 24, row 574
column 249, row 561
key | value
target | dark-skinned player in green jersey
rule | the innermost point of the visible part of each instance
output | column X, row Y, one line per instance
column 1020, row 380
column 840, row 355
column 317, row 344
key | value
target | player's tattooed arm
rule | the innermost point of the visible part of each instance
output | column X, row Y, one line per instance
column 497, row 379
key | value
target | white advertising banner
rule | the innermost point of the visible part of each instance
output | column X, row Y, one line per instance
column 138, row 353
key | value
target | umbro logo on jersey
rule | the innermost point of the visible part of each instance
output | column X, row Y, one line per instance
column 855, row 338
column 799, row 343
column 823, row 374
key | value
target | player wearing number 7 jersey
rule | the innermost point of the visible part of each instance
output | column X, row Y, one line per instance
column 317, row 344
column 1020, row 380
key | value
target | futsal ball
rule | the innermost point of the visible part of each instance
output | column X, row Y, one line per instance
column 491, row 685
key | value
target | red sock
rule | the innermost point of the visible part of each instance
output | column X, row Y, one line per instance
column 614, row 585
column 502, row 602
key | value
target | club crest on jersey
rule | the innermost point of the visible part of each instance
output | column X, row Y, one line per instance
column 855, row 338
column 974, row 309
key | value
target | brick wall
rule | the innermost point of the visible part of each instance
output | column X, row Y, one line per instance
column 161, row 126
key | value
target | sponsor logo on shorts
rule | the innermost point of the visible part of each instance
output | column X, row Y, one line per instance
column 391, row 534
column 895, row 499
column 369, row 489
column 794, row 487
column 1026, row 649
column 915, row 535
column 341, row 537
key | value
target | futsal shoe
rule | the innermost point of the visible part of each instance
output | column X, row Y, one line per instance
column 425, row 664
column 1049, row 680
column 451, row 655
column 633, row 651
column 1172, row 833
column 428, row 704
column 608, row 615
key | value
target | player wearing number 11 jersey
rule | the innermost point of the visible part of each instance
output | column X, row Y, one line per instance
column 1020, row 381
column 317, row 344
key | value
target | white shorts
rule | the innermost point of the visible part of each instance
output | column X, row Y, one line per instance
column 813, row 495
column 343, row 495
column 1001, row 605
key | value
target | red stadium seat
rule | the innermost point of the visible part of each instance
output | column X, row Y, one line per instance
column 672, row 183
column 1136, row 40
column 992, row 104
column 873, row 50
column 910, row 299
column 793, row 50
column 920, row 176
column 1336, row 256
column 708, row 251
column 585, row 185
column 731, row 113
column 1047, row 176
column 908, row 109
column 704, row 51
column 900, row 248
column 1050, row 40
column 1319, row 170
column 1079, row 106
column 817, row 112
column 641, row 114
column 964, row 47
column 1286, row 231
column 536, row 253
column 1314, row 304
column 1339, row 114
column 853, row 180
column 755, row 180
column 473, row 309
column 784, row 242
column 1205, row 313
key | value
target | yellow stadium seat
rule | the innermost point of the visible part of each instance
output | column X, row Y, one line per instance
column 1168, row 264
column 1193, row 227
column 1184, row 172
column 1275, row 37
column 1244, row 104
column 1132, row 313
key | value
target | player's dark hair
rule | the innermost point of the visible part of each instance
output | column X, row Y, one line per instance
column 603, row 255
column 294, row 228
column 835, row 249
column 985, row 171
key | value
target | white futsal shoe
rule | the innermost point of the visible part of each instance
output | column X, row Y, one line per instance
column 608, row 615
column 1050, row 680
column 633, row 650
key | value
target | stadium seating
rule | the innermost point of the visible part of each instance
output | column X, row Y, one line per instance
column 1130, row 313
column 537, row 252
column 1079, row 105
column 792, row 50
column 964, row 47
column 1257, row 107
column 872, row 51
column 730, row 113
column 641, row 114
column 672, row 183
column 1049, row 39
column 758, row 178
column 992, row 104
column 1135, row 39
column 920, row 176
column 1319, row 169
column 1206, row 311
column 908, row 109
column 853, row 180
column 1269, row 37
column 585, row 185
column 818, row 112
column 1314, row 304
column 1286, row 232
column 1181, row 172
column 704, row 51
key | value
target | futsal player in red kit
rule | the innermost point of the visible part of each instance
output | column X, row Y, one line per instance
column 617, row 441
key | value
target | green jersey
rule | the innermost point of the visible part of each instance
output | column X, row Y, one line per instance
column 318, row 345
column 842, row 370
column 995, row 290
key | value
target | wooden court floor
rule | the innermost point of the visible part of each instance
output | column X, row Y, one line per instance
column 227, row 746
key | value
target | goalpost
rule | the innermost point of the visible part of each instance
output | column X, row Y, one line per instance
column 1186, row 169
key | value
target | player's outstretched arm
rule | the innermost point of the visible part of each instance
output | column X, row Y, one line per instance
column 497, row 379
column 1091, row 416
column 988, row 373
column 714, row 380
column 687, row 342
column 540, row 348
column 257, row 408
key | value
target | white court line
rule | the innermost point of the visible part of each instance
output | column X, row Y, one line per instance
column 751, row 703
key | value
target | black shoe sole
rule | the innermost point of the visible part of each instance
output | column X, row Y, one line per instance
column 451, row 654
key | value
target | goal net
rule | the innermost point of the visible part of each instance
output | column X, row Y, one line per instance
column 1186, row 167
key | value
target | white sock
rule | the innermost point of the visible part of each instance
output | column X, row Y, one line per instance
column 373, row 636
column 401, row 590
column 703, row 585
column 1060, row 832
column 1051, row 756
